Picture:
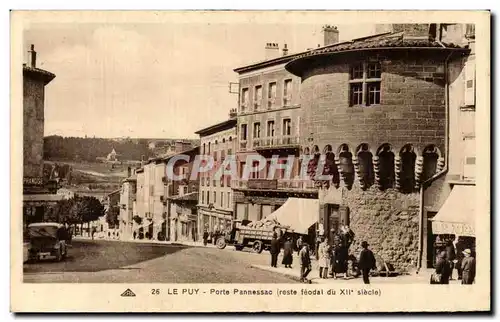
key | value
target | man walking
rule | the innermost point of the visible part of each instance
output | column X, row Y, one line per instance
column 366, row 262
column 275, row 250
column 305, row 263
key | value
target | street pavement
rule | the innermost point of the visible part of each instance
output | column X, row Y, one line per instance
column 101, row 261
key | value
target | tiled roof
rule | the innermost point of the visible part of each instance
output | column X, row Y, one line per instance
column 382, row 41
column 217, row 127
column 390, row 40
column 45, row 75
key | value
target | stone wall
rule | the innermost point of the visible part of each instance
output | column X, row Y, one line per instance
column 387, row 220
column 411, row 109
column 33, row 122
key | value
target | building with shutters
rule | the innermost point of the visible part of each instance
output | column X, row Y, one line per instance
column 383, row 111
column 215, row 200
column 269, row 124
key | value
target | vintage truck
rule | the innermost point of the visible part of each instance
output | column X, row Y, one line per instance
column 258, row 238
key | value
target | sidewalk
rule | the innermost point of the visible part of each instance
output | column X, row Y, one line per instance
column 148, row 241
column 422, row 277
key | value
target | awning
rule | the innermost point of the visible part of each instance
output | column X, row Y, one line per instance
column 297, row 213
column 457, row 215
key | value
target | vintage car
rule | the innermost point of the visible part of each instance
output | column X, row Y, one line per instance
column 47, row 240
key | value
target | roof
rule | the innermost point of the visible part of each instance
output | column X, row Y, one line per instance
column 266, row 63
column 131, row 178
column 193, row 150
column 44, row 75
column 43, row 197
column 227, row 124
column 45, row 224
column 192, row 196
column 385, row 41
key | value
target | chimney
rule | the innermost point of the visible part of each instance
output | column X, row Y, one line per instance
column 232, row 113
column 129, row 172
column 330, row 35
column 285, row 50
column 32, row 56
column 272, row 51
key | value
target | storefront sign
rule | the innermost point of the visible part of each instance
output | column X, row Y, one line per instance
column 33, row 181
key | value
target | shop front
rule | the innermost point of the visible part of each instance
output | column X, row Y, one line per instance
column 454, row 223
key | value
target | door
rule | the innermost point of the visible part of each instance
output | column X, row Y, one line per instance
column 431, row 239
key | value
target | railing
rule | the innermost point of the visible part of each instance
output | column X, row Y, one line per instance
column 275, row 184
column 276, row 142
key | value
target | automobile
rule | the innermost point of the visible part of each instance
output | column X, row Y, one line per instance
column 47, row 240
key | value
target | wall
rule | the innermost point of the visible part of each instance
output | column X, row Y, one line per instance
column 33, row 126
column 387, row 220
column 411, row 109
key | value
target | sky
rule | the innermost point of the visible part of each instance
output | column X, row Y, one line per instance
column 153, row 80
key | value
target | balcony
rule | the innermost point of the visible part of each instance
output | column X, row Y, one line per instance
column 276, row 142
column 264, row 184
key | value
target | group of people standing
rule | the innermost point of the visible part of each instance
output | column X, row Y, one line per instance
column 451, row 259
column 303, row 252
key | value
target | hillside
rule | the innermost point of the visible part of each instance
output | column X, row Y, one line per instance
column 90, row 149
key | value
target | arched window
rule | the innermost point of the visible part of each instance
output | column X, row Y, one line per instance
column 386, row 166
column 365, row 164
column 204, row 148
column 224, row 140
column 431, row 155
column 208, row 147
column 346, row 167
column 407, row 176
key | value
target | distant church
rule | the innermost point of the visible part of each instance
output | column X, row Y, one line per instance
column 112, row 156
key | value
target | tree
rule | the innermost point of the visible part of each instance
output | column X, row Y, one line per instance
column 88, row 209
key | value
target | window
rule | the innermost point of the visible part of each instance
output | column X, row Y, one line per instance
column 208, row 147
column 270, row 128
column 271, row 95
column 243, row 134
column 255, row 172
column 203, row 148
column 256, row 130
column 215, row 197
column 287, row 92
column 208, row 197
column 364, row 87
column 258, row 97
column 287, row 127
column 244, row 99
column 222, row 199
column 185, row 190
column 202, row 181
column 228, row 200
column 229, row 151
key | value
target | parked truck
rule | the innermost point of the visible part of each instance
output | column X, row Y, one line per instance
column 258, row 239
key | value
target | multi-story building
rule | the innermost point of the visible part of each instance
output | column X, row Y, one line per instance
column 268, row 126
column 38, row 191
column 127, row 200
column 215, row 201
column 377, row 108
column 181, row 198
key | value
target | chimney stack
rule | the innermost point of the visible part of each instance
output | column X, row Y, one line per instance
column 32, row 56
column 285, row 50
column 272, row 51
column 413, row 31
column 330, row 35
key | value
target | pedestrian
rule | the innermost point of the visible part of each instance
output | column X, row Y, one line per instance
column 468, row 267
column 323, row 258
column 300, row 243
column 459, row 248
column 205, row 237
column 442, row 272
column 93, row 232
column 305, row 263
column 366, row 262
column 288, row 253
column 450, row 256
column 275, row 250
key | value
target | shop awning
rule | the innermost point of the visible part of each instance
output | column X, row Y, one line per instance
column 457, row 215
column 297, row 213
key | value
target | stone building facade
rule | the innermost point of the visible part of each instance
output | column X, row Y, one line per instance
column 34, row 182
column 215, row 201
column 376, row 108
column 127, row 199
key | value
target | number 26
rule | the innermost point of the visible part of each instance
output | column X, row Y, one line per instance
column 155, row 291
